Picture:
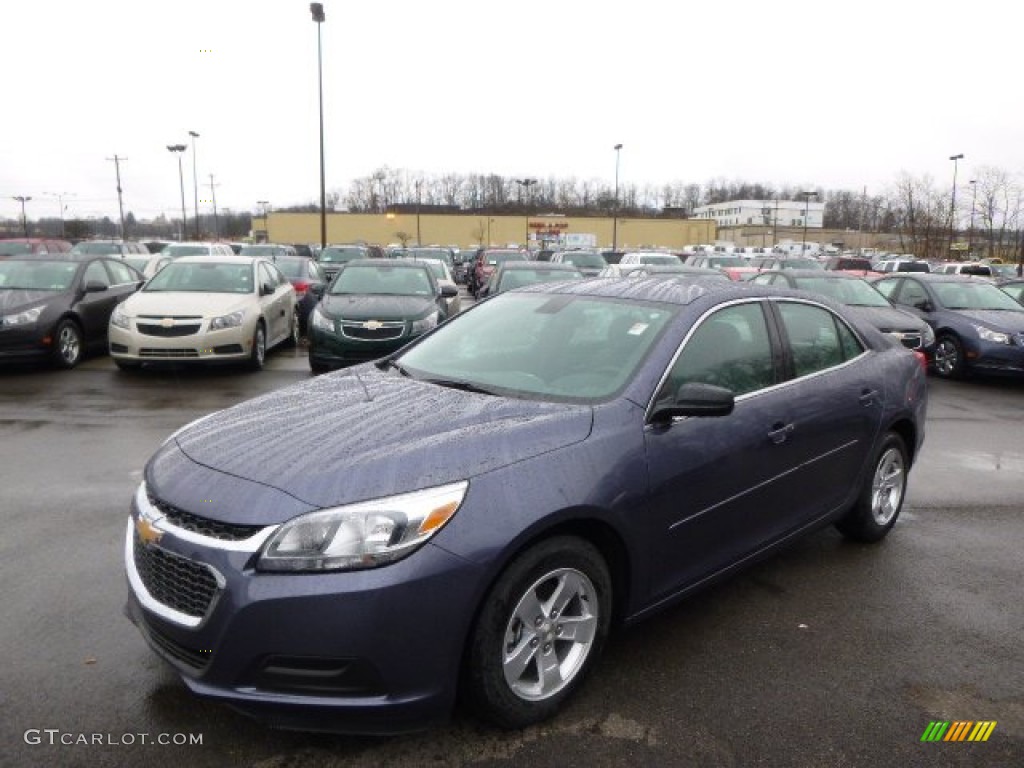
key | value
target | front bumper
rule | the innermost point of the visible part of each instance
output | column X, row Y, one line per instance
column 25, row 342
column 335, row 350
column 1000, row 359
column 227, row 344
column 369, row 651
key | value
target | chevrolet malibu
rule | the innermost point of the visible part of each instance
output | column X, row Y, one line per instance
column 212, row 309
column 488, row 503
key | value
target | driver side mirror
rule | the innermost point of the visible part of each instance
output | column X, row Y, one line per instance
column 266, row 289
column 449, row 291
column 695, row 399
column 94, row 286
column 924, row 305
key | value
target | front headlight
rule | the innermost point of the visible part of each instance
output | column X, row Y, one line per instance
column 234, row 320
column 996, row 337
column 28, row 317
column 322, row 322
column 363, row 535
column 120, row 319
column 424, row 324
column 927, row 336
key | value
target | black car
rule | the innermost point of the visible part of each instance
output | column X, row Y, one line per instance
column 55, row 308
column 485, row 506
column 978, row 328
column 372, row 308
column 863, row 300
column 333, row 257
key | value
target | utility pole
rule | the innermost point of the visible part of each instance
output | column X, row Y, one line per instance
column 213, row 198
column 120, row 200
column 24, row 219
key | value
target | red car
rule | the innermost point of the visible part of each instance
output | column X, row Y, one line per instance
column 32, row 246
column 486, row 262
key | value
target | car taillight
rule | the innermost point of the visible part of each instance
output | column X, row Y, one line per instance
column 300, row 286
column 922, row 358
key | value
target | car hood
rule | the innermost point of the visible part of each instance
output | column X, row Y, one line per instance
column 18, row 299
column 381, row 307
column 887, row 318
column 185, row 303
column 360, row 434
column 999, row 319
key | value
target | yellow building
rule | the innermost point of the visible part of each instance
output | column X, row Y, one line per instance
column 465, row 229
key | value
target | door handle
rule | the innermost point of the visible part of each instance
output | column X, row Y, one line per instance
column 779, row 432
column 867, row 396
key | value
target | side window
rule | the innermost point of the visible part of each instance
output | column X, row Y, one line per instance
column 96, row 272
column 763, row 279
column 849, row 342
column 912, row 294
column 887, row 288
column 730, row 349
column 813, row 337
column 281, row 279
column 120, row 272
column 265, row 276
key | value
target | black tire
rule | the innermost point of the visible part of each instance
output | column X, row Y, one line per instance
column 881, row 498
column 318, row 367
column 258, row 355
column 509, row 691
column 948, row 357
column 127, row 365
column 68, row 345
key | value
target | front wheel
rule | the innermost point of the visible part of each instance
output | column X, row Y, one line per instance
column 541, row 628
column 67, row 344
column 949, row 357
column 258, row 355
column 878, row 505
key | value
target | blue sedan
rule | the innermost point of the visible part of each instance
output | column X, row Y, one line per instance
column 475, row 513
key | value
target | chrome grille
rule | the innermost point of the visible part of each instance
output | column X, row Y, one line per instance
column 381, row 332
column 175, row 581
column 202, row 525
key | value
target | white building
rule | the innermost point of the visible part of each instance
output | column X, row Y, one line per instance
column 777, row 213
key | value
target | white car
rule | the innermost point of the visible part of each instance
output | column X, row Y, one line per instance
column 443, row 275
column 650, row 257
column 206, row 309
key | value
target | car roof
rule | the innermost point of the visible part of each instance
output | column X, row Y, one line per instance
column 939, row 277
column 389, row 263
column 678, row 290
column 824, row 274
column 225, row 259
column 544, row 266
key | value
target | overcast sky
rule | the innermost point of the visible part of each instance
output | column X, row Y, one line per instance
column 828, row 94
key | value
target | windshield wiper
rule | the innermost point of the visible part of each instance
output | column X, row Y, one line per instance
column 465, row 386
column 390, row 362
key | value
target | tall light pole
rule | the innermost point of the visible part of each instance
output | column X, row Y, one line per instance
column 970, row 232
column 266, row 221
column 24, row 219
column 60, row 202
column 195, row 179
column 807, row 207
column 419, row 187
column 120, row 199
column 178, row 149
column 317, row 9
column 952, row 202
column 525, row 183
column 615, row 212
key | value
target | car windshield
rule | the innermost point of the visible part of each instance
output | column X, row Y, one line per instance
column 584, row 259
column 14, row 249
column 177, row 251
column 974, row 296
column 434, row 265
column 543, row 346
column 202, row 277
column 337, row 255
column 801, row 264
column 431, row 253
column 383, row 280
column 291, row 267
column 139, row 262
column 496, row 257
column 96, row 249
column 658, row 258
column 37, row 275
column 857, row 293
column 1014, row 290
column 728, row 261
column 516, row 278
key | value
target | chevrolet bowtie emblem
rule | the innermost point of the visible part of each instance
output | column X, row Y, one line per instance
column 148, row 532
column 167, row 322
column 373, row 325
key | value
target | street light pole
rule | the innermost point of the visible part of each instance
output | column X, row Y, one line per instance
column 419, row 187
column 178, row 149
column 526, row 183
column 807, row 207
column 970, row 232
column 60, row 202
column 24, row 219
column 952, row 202
column 266, row 220
column 195, row 179
column 317, row 9
column 615, row 212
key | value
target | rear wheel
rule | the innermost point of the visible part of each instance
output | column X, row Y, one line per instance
column 541, row 628
column 876, row 509
column 949, row 357
column 67, row 344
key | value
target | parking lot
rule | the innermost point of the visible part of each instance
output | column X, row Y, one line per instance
column 831, row 654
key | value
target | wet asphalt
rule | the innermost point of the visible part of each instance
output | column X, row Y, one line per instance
column 828, row 654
